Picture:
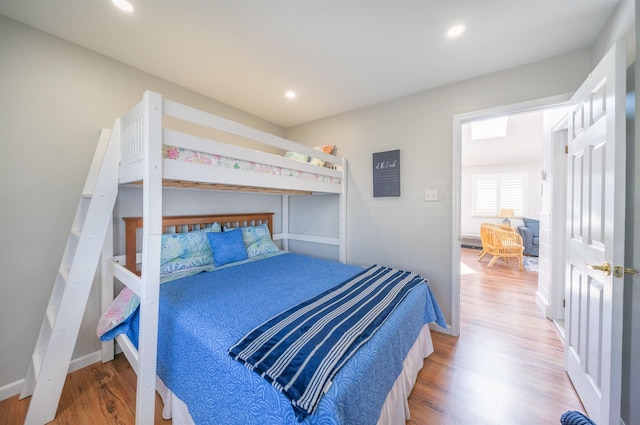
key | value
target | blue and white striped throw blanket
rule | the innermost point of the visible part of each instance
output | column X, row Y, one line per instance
column 300, row 350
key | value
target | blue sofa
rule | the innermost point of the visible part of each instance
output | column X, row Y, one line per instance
column 530, row 232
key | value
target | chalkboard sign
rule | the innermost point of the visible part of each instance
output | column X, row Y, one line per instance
column 386, row 174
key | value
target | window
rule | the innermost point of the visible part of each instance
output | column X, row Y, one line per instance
column 494, row 191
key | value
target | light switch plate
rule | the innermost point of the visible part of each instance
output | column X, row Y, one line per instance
column 430, row 195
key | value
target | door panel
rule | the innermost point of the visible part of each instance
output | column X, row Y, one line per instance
column 596, row 176
column 576, row 196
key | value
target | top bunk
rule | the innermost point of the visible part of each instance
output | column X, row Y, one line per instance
column 161, row 131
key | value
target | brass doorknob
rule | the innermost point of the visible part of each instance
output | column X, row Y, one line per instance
column 605, row 267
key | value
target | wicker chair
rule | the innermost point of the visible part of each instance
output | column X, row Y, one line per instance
column 485, row 235
column 500, row 242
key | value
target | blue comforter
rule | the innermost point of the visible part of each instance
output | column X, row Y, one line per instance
column 203, row 315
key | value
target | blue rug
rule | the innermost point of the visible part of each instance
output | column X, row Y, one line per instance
column 573, row 417
column 530, row 264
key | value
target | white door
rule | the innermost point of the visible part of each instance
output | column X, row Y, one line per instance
column 595, row 219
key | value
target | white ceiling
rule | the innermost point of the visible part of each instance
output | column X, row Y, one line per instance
column 338, row 55
column 522, row 143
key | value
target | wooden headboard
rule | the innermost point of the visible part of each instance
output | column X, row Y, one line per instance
column 188, row 223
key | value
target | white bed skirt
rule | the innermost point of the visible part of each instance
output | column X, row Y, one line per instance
column 394, row 411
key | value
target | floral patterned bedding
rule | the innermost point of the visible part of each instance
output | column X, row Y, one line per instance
column 186, row 155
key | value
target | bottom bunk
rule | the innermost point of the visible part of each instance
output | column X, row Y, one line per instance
column 202, row 315
column 395, row 409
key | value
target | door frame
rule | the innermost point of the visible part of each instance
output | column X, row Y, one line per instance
column 458, row 120
column 558, row 237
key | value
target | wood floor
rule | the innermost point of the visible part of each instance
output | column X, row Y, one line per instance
column 505, row 368
column 507, row 365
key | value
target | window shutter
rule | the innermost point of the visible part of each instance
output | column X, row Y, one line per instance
column 512, row 194
column 486, row 195
column 491, row 192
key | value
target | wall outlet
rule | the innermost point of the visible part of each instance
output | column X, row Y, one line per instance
column 430, row 195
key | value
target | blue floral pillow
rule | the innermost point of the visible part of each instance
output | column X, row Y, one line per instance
column 180, row 251
column 228, row 247
column 297, row 156
column 257, row 240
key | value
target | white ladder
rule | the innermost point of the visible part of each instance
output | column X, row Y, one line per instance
column 61, row 324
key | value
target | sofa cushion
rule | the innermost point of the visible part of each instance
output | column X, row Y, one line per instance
column 536, row 240
column 534, row 225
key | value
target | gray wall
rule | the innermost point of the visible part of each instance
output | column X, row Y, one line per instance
column 406, row 231
column 54, row 98
column 630, row 409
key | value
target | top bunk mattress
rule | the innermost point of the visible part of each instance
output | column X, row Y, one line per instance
column 187, row 155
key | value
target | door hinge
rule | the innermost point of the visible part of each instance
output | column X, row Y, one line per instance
column 566, row 149
column 564, row 303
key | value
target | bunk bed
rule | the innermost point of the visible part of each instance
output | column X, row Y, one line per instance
column 148, row 158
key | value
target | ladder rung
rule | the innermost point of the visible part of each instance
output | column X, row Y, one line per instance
column 37, row 360
column 76, row 233
column 82, row 211
column 64, row 274
column 52, row 313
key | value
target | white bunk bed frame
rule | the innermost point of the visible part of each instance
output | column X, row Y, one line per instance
column 140, row 135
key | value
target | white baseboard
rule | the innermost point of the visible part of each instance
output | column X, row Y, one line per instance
column 11, row 389
column 437, row 328
column 14, row 388
column 543, row 304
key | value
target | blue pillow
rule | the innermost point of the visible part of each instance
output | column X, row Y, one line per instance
column 227, row 247
column 532, row 224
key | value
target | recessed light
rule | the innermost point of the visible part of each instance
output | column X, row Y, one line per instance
column 123, row 5
column 290, row 94
column 456, row 31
